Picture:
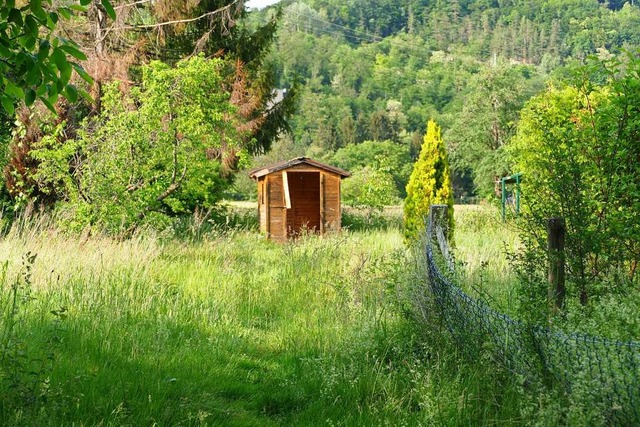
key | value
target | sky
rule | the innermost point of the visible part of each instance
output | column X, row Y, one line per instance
column 259, row 4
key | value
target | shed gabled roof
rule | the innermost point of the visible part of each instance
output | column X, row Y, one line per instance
column 259, row 172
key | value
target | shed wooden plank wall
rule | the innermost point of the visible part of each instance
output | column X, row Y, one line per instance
column 262, row 205
column 277, row 209
column 332, row 210
column 314, row 201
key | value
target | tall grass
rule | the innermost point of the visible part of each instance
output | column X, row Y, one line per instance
column 227, row 331
column 478, row 390
column 533, row 396
column 232, row 329
column 483, row 248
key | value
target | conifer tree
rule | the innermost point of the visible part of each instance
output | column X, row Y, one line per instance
column 430, row 183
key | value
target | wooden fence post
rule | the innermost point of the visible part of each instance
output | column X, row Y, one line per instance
column 556, row 231
column 440, row 230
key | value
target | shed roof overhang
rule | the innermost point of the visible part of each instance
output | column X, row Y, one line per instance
column 260, row 172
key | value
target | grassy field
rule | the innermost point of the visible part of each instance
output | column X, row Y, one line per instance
column 483, row 244
column 234, row 330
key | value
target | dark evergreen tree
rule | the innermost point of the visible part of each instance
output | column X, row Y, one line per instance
column 253, row 84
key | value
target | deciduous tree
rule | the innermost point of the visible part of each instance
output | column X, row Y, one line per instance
column 153, row 153
column 577, row 147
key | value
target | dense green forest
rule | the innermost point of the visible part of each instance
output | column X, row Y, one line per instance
column 361, row 78
column 379, row 70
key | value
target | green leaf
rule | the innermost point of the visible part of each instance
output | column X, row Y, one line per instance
column 71, row 93
column 78, row 8
column 29, row 97
column 32, row 25
column 48, row 104
column 43, row 50
column 52, row 20
column 20, row 58
column 109, row 8
column 59, row 58
column 52, row 92
column 85, row 2
column 35, row 5
column 65, row 76
column 13, row 90
column 83, row 93
column 34, row 76
column 73, row 51
column 82, row 73
column 7, row 104
column 15, row 16
column 42, row 89
column 29, row 42
column 4, row 51
column 65, row 12
column 60, row 84
column 37, row 10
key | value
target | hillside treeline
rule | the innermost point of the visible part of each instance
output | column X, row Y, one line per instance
column 378, row 70
column 183, row 96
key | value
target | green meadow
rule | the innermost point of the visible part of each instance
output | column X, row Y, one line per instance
column 232, row 329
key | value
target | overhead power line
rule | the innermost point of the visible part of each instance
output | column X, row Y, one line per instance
column 312, row 22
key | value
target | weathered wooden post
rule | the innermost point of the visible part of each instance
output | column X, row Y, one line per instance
column 556, row 231
column 440, row 230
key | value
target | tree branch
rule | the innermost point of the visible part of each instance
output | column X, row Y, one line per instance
column 173, row 187
column 182, row 21
column 135, row 3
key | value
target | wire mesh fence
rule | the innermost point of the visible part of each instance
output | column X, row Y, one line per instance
column 603, row 372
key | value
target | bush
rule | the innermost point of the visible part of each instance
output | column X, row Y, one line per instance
column 380, row 155
column 577, row 147
column 430, row 183
column 369, row 190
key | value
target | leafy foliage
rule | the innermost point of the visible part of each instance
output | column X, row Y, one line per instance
column 38, row 128
column 36, row 61
column 577, row 147
column 430, row 183
column 385, row 156
column 375, row 70
column 156, row 152
column 480, row 132
column 239, row 43
column 369, row 189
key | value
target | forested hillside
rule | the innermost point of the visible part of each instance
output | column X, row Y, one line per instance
column 134, row 292
column 378, row 70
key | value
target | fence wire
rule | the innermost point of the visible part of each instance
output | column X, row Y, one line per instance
column 604, row 372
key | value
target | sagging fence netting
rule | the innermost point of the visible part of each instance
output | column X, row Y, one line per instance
column 605, row 371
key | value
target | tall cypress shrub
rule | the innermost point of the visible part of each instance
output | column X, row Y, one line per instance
column 430, row 183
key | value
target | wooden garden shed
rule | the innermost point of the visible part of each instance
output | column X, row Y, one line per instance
column 296, row 195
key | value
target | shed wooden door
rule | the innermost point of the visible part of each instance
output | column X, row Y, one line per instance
column 304, row 192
